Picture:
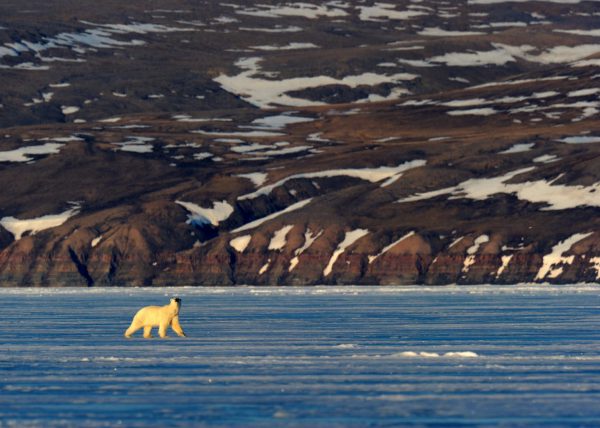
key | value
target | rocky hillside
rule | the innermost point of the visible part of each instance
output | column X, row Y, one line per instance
column 185, row 142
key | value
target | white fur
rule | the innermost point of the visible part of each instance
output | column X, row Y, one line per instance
column 157, row 316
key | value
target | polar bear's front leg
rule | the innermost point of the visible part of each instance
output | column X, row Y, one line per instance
column 177, row 327
column 147, row 332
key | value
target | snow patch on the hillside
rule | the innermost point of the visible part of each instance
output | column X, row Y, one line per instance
column 554, row 262
column 219, row 212
column 296, row 9
column 505, row 261
column 472, row 251
column 279, row 238
column 595, row 262
column 518, row 148
column 257, row 178
column 581, row 139
column 390, row 246
column 278, row 122
column 290, row 46
column 67, row 110
column 33, row 225
column 240, row 243
column 349, row 239
column 439, row 32
column 265, row 267
column 369, row 174
column 266, row 93
column 258, row 222
column 23, row 154
column 556, row 196
column 136, row 144
column 276, row 29
column 386, row 11
column 485, row 111
column 309, row 239
column 546, row 159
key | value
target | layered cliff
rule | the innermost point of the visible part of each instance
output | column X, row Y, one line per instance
column 293, row 144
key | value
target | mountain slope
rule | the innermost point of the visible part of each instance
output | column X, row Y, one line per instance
column 171, row 143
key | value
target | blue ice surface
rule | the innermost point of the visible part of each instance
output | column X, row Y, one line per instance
column 304, row 357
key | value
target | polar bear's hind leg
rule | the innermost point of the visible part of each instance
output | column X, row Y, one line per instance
column 147, row 332
column 162, row 330
column 135, row 326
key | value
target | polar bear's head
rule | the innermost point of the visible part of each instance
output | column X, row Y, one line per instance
column 176, row 301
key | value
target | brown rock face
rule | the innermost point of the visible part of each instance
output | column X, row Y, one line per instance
column 220, row 144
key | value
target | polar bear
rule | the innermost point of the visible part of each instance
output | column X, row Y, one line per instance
column 157, row 316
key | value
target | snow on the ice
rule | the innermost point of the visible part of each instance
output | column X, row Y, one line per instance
column 390, row 246
column 258, row 222
column 266, row 93
column 279, row 238
column 426, row 354
column 349, row 239
column 373, row 175
column 554, row 262
column 309, row 238
column 219, row 212
column 518, row 148
column 240, row 243
column 60, row 85
column 24, row 154
column 472, row 251
column 33, row 225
